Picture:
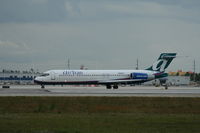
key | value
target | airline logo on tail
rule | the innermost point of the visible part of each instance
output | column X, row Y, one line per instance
column 159, row 65
column 163, row 62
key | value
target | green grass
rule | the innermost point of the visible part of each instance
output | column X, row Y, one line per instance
column 99, row 123
column 99, row 115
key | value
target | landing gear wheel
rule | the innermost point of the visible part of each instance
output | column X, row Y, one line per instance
column 42, row 86
column 108, row 86
column 166, row 87
column 115, row 87
column 43, row 89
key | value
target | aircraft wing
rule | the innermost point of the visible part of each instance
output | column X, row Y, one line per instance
column 121, row 81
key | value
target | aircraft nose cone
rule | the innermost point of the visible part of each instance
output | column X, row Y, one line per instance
column 36, row 80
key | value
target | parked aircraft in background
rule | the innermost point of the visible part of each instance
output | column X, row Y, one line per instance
column 109, row 78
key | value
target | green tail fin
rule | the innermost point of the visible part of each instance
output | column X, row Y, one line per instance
column 163, row 62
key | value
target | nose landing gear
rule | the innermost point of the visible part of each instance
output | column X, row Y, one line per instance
column 42, row 86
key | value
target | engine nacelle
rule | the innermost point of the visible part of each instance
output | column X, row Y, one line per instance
column 139, row 75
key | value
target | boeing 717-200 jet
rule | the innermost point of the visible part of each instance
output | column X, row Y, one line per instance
column 109, row 78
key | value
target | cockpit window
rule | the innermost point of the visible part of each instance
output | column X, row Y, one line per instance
column 44, row 74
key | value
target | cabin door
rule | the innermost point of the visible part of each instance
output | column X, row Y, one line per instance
column 53, row 76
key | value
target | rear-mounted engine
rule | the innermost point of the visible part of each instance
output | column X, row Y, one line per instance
column 139, row 76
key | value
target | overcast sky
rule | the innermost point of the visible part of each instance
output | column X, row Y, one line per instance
column 101, row 34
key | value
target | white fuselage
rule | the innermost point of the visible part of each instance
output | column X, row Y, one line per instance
column 94, row 76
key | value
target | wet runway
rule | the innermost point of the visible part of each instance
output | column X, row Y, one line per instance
column 35, row 90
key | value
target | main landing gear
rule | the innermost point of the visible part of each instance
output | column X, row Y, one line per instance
column 166, row 87
column 110, row 86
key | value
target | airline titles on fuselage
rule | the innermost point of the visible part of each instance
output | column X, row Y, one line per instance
column 84, row 73
column 67, row 72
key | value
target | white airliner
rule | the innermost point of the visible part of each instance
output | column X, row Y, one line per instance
column 109, row 78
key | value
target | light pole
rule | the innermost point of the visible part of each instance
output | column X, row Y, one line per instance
column 194, row 70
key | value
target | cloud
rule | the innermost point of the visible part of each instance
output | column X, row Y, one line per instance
column 32, row 11
column 75, row 10
column 154, row 9
column 12, row 52
column 13, row 45
column 39, row 1
column 139, row 8
column 72, row 8
column 8, row 44
column 97, row 34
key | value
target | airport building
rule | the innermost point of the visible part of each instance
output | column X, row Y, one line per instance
column 179, row 80
column 17, row 77
column 171, row 80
